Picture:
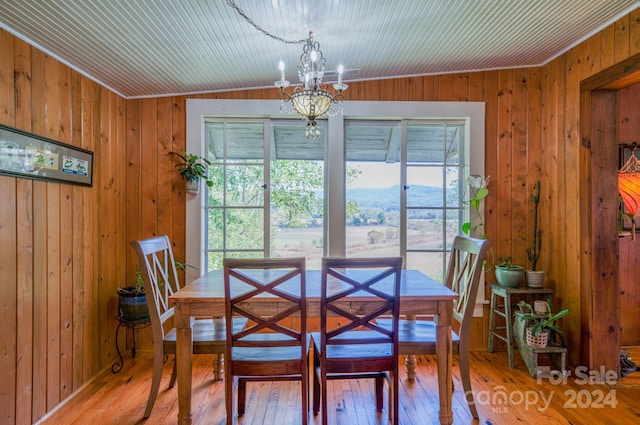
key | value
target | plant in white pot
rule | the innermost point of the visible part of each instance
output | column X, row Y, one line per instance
column 539, row 326
column 535, row 277
column 192, row 169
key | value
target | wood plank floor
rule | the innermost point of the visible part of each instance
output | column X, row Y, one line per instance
column 504, row 396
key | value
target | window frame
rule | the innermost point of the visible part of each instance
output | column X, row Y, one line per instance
column 199, row 109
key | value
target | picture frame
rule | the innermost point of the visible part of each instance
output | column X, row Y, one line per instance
column 27, row 155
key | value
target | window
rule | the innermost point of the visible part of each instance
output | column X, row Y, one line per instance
column 403, row 197
column 255, row 164
column 430, row 144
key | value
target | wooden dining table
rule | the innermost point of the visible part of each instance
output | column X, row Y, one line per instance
column 419, row 295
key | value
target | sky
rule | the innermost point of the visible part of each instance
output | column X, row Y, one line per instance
column 383, row 175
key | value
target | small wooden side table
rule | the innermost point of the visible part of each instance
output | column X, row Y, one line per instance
column 505, row 310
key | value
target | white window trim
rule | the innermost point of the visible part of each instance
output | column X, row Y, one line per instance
column 198, row 109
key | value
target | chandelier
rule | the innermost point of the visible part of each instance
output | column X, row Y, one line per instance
column 312, row 99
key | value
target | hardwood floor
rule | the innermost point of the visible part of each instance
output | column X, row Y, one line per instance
column 504, row 396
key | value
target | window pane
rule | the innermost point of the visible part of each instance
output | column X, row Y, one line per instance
column 454, row 134
column 373, row 241
column 377, row 141
column 244, row 228
column 435, row 143
column 215, row 229
column 288, row 141
column 430, row 263
column 214, row 261
column 245, row 141
column 425, row 187
column 452, row 186
column 215, row 193
column 214, row 134
column 372, row 209
column 244, row 185
column 425, row 143
column 297, row 209
column 452, row 225
column 424, row 229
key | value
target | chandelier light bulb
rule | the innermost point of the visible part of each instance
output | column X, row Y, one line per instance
column 340, row 71
column 281, row 68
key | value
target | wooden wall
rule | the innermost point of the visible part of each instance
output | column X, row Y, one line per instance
column 60, row 245
column 65, row 249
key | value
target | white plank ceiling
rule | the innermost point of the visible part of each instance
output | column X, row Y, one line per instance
column 145, row 48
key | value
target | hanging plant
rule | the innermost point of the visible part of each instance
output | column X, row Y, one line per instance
column 193, row 167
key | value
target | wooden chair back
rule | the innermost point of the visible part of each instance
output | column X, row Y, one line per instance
column 252, row 283
column 464, row 274
column 271, row 295
column 377, row 277
column 358, row 347
column 160, row 276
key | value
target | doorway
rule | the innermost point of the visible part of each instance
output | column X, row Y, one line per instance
column 600, row 273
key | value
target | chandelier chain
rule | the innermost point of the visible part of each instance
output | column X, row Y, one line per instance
column 259, row 28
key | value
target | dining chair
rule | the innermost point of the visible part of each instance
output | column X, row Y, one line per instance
column 418, row 337
column 356, row 347
column 268, row 348
column 155, row 258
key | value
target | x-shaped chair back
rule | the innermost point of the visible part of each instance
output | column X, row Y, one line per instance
column 352, row 277
column 463, row 277
column 252, row 284
column 160, row 279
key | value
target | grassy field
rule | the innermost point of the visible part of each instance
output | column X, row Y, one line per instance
column 307, row 243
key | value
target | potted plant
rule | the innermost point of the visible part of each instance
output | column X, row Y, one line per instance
column 535, row 277
column 478, row 191
column 132, row 301
column 525, row 307
column 508, row 274
column 539, row 326
column 192, row 169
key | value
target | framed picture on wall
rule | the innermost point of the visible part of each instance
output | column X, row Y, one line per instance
column 27, row 155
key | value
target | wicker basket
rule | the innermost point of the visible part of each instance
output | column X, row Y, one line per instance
column 539, row 341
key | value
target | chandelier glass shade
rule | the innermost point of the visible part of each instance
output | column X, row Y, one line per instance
column 312, row 99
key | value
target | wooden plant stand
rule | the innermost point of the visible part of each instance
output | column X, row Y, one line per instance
column 557, row 354
column 502, row 304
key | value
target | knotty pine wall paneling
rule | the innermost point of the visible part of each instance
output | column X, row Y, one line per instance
column 61, row 243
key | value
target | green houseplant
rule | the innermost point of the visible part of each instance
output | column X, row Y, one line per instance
column 132, row 301
column 508, row 274
column 539, row 325
column 192, row 168
column 478, row 190
column 535, row 277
